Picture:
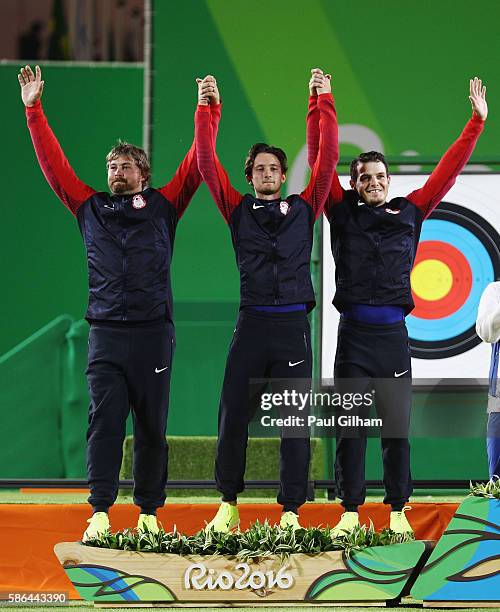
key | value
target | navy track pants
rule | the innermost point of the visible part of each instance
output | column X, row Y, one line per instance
column 376, row 355
column 129, row 368
column 263, row 346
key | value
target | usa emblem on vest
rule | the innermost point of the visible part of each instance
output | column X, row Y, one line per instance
column 284, row 207
column 138, row 201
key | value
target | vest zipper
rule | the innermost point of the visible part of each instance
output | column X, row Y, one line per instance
column 275, row 261
column 124, row 282
column 275, row 272
column 124, row 270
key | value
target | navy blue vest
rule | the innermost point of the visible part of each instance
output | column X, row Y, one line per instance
column 129, row 241
column 374, row 249
column 273, row 243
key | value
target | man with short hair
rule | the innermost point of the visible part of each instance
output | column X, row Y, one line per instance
column 272, row 239
column 488, row 329
column 128, row 235
column 374, row 242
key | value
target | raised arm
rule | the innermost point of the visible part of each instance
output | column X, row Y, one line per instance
column 337, row 193
column 453, row 161
column 187, row 178
column 319, row 184
column 488, row 314
column 312, row 120
column 67, row 186
column 214, row 175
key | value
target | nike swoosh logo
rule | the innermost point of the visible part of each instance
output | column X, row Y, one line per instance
column 157, row 371
column 398, row 374
column 255, row 207
column 111, row 207
column 296, row 363
column 361, row 203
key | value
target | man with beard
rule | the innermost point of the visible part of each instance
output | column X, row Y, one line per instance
column 128, row 235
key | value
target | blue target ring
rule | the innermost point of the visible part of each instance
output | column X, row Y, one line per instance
column 479, row 243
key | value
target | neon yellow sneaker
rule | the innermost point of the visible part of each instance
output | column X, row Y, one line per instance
column 226, row 519
column 399, row 523
column 348, row 521
column 290, row 519
column 98, row 525
column 147, row 523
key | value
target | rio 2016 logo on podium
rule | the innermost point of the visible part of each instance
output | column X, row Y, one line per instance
column 198, row 576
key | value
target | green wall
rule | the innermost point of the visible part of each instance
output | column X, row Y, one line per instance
column 43, row 260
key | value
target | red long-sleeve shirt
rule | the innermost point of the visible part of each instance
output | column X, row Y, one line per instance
column 73, row 192
column 227, row 198
column 441, row 180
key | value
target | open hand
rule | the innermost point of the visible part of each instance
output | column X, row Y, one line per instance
column 31, row 85
column 477, row 97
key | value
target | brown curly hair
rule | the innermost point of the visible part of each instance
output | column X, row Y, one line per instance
column 262, row 147
column 137, row 154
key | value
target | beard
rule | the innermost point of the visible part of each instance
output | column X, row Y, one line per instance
column 119, row 187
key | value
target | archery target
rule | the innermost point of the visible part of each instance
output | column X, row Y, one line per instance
column 458, row 255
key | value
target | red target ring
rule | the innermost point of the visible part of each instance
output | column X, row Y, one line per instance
column 461, row 285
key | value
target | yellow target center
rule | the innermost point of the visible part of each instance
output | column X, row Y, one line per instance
column 431, row 279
